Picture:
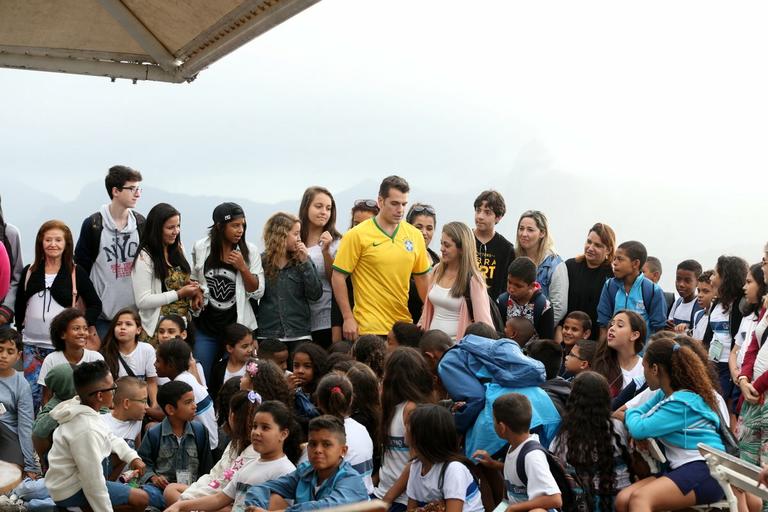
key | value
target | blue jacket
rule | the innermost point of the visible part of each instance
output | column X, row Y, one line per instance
column 465, row 368
column 645, row 298
column 545, row 270
column 345, row 486
column 681, row 419
column 284, row 309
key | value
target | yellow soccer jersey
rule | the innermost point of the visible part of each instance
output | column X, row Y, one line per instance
column 381, row 268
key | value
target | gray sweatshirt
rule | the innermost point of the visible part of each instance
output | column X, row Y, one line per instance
column 16, row 396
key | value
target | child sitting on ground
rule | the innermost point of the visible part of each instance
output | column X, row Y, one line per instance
column 550, row 353
column 82, row 444
column 124, row 421
column 580, row 358
column 520, row 330
column 172, row 362
column 576, row 326
column 325, row 481
column 177, row 450
column 524, row 298
column 274, row 350
column 16, row 397
column 239, row 344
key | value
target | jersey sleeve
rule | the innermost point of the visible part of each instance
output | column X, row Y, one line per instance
column 348, row 253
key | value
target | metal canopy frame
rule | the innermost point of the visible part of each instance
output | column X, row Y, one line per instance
column 145, row 54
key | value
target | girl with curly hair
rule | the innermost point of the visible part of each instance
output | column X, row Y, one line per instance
column 591, row 444
column 267, row 379
column 682, row 413
column 291, row 283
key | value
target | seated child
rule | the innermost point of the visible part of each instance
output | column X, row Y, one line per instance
column 177, row 450
column 124, row 421
column 706, row 293
column 403, row 334
column 433, row 345
column 274, row 350
column 539, row 492
column 275, row 441
column 576, row 326
column 16, row 397
column 59, row 381
column 171, row 327
column 326, row 480
column 519, row 329
column 580, row 358
column 550, row 353
column 82, row 444
column 371, row 350
column 239, row 344
column 524, row 298
column 172, row 362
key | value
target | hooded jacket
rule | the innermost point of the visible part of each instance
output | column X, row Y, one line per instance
column 110, row 271
column 80, row 443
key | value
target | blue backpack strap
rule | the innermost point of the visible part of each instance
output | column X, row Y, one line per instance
column 613, row 289
column 649, row 290
column 538, row 306
column 528, row 447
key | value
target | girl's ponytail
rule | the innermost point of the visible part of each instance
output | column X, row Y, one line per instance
column 334, row 395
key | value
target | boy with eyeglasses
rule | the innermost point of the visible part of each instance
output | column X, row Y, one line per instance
column 82, row 444
column 108, row 242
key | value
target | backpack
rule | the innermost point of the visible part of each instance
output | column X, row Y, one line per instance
column 498, row 324
column 694, row 310
column 97, row 226
column 576, row 497
column 648, row 289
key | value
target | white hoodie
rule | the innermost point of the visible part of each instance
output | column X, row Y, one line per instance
column 80, row 444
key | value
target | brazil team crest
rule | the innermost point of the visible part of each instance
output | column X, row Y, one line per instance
column 408, row 246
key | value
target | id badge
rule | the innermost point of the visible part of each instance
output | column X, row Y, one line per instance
column 183, row 477
column 715, row 350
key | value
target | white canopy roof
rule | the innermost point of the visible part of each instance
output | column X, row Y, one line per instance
column 163, row 40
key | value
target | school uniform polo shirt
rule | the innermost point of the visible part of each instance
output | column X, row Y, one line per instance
column 381, row 266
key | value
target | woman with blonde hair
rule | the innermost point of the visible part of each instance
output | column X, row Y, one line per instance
column 456, row 285
column 291, row 281
column 535, row 241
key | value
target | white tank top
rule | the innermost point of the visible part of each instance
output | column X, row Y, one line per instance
column 41, row 308
column 446, row 307
column 396, row 455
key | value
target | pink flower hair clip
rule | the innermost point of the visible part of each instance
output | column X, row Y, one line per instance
column 252, row 368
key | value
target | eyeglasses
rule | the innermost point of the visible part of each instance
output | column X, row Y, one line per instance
column 418, row 208
column 133, row 188
column 140, row 400
column 370, row 203
column 571, row 354
column 112, row 389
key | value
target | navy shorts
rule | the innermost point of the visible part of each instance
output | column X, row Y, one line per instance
column 155, row 496
column 118, row 495
column 694, row 476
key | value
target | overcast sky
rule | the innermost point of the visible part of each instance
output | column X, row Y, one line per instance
column 443, row 92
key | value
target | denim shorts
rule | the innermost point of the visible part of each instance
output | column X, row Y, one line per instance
column 118, row 495
column 155, row 496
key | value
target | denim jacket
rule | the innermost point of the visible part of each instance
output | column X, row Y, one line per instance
column 284, row 308
column 345, row 486
column 192, row 454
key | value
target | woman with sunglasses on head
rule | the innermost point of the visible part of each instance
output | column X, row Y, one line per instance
column 535, row 241
column 422, row 217
column 362, row 210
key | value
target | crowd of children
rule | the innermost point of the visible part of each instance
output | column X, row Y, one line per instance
column 542, row 394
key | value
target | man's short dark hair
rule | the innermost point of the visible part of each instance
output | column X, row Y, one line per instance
column 514, row 411
column 523, row 268
column 391, row 182
column 582, row 317
column 548, row 352
column 493, row 200
column 691, row 266
column 118, row 176
column 171, row 392
column 88, row 374
column 175, row 353
column 634, row 251
column 12, row 335
column 330, row 423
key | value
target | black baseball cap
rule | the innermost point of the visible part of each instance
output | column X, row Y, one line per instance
column 227, row 212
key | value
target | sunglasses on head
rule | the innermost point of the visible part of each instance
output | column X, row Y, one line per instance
column 370, row 203
column 419, row 208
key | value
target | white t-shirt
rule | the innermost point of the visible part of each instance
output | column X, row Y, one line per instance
column 321, row 308
column 41, row 309
column 720, row 322
column 56, row 358
column 744, row 337
column 254, row 473
column 701, row 327
column 165, row 380
column 636, row 372
column 228, row 375
column 141, row 361
column 205, row 413
column 761, row 361
column 682, row 313
column 446, row 314
column 396, row 455
column 127, row 430
column 540, row 479
column 458, row 484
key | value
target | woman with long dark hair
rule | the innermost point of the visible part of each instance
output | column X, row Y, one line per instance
column 423, row 217
column 587, row 273
column 317, row 214
column 51, row 284
column 161, row 272
column 228, row 269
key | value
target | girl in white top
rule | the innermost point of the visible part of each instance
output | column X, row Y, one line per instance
column 440, row 471
column 754, row 291
column 407, row 382
column 334, row 397
column 171, row 327
column 69, row 334
column 317, row 214
column 126, row 355
column 616, row 357
column 275, row 437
